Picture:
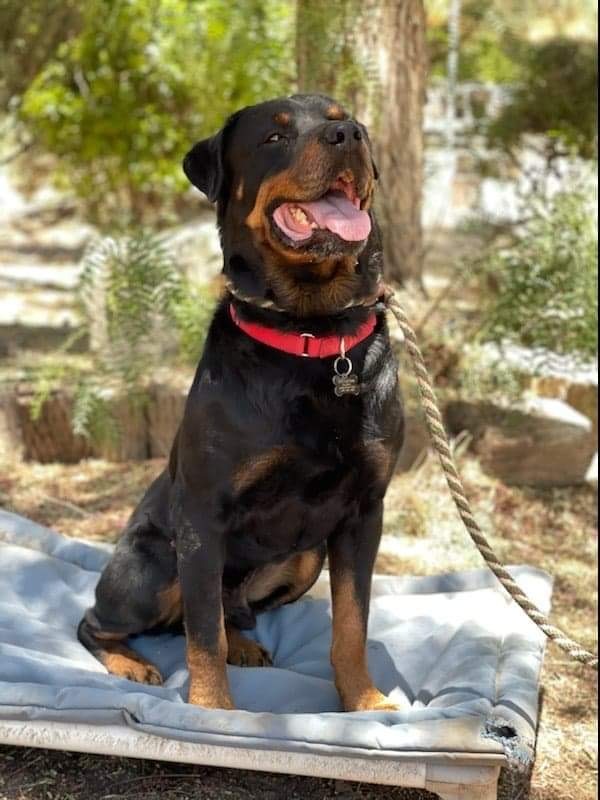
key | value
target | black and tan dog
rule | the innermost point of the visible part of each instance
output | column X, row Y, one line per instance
column 280, row 459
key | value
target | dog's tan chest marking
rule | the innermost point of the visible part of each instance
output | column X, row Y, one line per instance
column 170, row 605
column 260, row 466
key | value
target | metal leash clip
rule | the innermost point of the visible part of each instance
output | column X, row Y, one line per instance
column 344, row 380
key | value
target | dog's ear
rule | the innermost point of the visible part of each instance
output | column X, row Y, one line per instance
column 203, row 166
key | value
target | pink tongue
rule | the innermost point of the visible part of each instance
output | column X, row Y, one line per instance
column 333, row 212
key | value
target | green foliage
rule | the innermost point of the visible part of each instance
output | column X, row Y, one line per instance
column 91, row 416
column 122, row 101
column 541, row 291
column 138, row 307
column 138, row 312
column 192, row 314
column 30, row 34
column 129, row 289
column 554, row 80
column 556, row 96
column 485, row 42
column 479, row 376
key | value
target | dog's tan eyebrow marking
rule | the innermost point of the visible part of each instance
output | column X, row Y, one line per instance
column 335, row 112
column 282, row 118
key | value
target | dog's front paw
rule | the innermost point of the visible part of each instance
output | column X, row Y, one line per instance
column 244, row 652
column 127, row 664
column 149, row 674
column 370, row 699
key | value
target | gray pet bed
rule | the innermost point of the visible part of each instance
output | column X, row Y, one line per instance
column 453, row 650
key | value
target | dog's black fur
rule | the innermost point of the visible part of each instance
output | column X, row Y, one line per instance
column 269, row 470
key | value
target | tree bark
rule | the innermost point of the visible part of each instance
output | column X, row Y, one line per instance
column 371, row 55
column 392, row 37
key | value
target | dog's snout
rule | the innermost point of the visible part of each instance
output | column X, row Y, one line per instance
column 342, row 133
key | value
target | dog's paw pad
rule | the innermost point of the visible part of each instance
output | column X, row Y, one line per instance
column 151, row 676
column 248, row 653
column 144, row 673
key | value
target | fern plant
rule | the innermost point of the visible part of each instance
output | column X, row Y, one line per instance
column 129, row 287
column 138, row 312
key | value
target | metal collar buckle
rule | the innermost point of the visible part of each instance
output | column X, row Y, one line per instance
column 306, row 337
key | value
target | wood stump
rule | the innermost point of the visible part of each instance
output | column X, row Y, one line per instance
column 139, row 428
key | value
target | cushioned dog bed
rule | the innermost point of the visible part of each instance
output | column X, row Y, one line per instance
column 457, row 654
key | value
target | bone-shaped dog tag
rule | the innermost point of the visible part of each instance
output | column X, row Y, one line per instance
column 344, row 380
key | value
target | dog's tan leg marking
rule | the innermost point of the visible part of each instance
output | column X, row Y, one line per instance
column 348, row 652
column 208, row 673
column 244, row 652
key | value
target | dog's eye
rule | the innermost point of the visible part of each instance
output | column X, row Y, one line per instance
column 274, row 138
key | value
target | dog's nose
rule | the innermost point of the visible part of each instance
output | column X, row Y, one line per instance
column 342, row 133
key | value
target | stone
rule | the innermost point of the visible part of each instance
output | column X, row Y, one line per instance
column 543, row 443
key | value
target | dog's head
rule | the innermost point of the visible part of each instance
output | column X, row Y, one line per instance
column 293, row 180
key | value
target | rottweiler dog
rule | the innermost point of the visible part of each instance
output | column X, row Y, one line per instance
column 293, row 422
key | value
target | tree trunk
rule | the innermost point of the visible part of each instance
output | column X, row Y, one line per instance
column 371, row 56
column 309, row 69
column 392, row 36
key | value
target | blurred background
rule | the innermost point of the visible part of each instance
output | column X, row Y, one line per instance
column 483, row 115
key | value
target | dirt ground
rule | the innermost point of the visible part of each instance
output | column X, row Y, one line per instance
column 554, row 529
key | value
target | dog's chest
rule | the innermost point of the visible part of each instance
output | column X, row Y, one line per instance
column 290, row 498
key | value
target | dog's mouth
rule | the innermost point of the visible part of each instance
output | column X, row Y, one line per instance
column 339, row 211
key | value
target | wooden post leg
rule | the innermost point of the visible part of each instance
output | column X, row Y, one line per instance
column 464, row 783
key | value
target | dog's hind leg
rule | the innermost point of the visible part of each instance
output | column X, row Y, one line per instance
column 137, row 591
column 245, row 652
column 268, row 587
column 115, row 656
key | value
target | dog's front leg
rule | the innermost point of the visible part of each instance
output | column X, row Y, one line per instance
column 352, row 553
column 200, row 561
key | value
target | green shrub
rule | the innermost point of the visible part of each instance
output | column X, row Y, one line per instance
column 480, row 375
column 123, row 100
column 541, row 291
column 485, row 38
column 556, row 96
column 554, row 80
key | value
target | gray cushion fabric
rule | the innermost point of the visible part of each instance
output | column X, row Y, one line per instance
column 461, row 659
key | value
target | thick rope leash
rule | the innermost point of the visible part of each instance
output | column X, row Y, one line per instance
column 442, row 447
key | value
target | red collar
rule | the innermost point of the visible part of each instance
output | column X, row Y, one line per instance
column 304, row 344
